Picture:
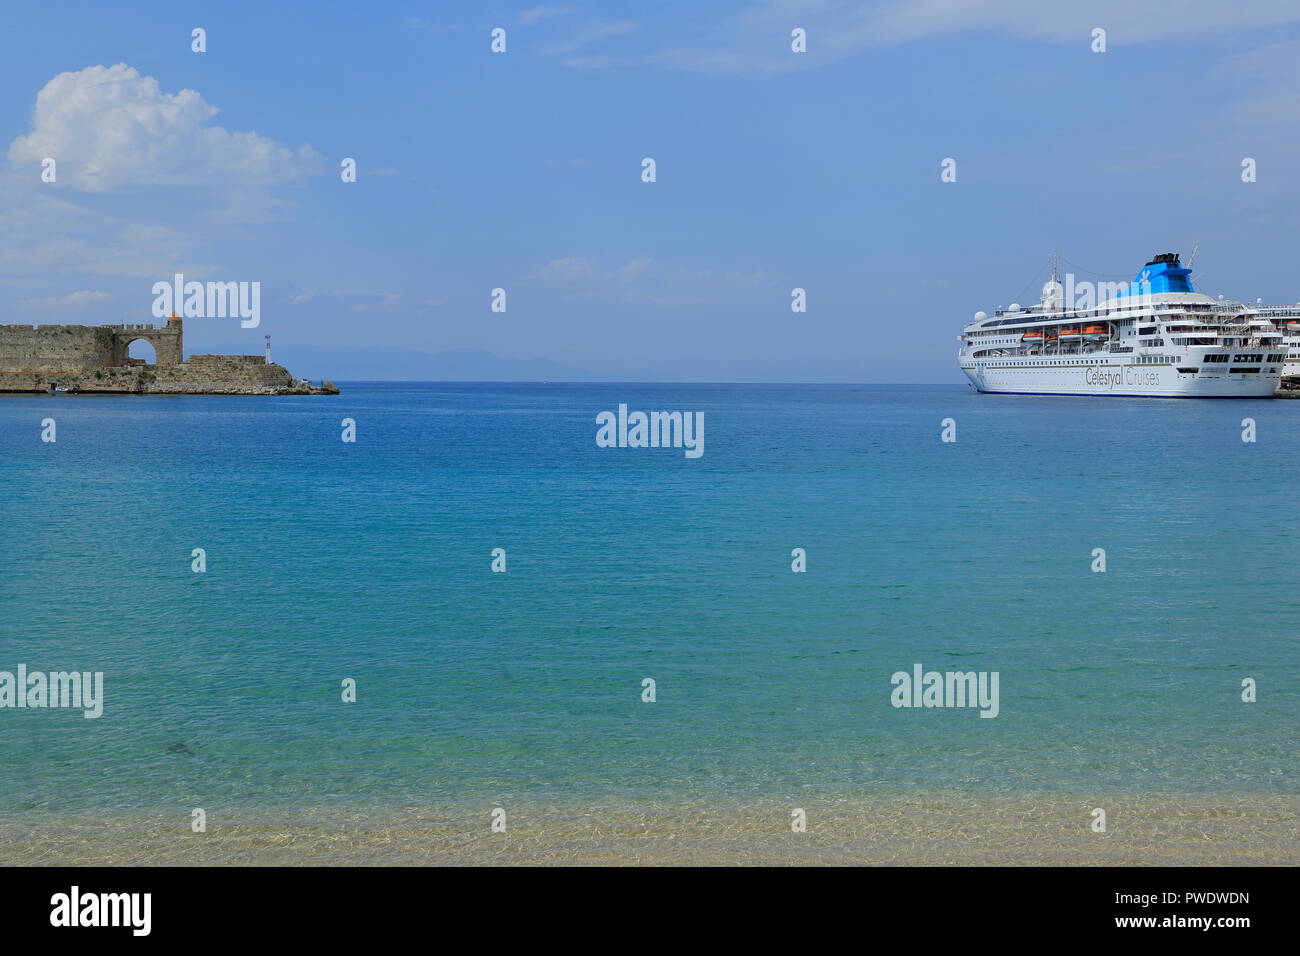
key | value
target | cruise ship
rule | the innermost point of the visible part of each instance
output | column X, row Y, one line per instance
column 1154, row 337
column 1286, row 319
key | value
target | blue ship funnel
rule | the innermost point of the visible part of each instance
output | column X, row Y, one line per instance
column 1164, row 273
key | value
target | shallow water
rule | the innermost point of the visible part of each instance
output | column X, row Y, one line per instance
column 939, row 829
column 370, row 561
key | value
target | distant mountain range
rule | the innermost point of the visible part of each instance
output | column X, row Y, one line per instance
column 397, row 364
column 380, row 364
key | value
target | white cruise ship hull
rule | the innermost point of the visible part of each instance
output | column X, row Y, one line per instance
column 1012, row 377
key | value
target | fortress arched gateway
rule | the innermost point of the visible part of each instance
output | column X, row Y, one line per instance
column 168, row 342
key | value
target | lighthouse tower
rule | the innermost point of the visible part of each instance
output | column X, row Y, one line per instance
column 268, row 350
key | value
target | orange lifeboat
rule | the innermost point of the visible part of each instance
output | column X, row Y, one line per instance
column 1069, row 333
column 1032, row 337
column 1095, row 330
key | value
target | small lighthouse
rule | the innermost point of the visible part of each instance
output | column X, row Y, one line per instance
column 268, row 350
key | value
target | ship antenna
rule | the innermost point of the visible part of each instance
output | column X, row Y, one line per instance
column 1192, row 261
column 1057, row 292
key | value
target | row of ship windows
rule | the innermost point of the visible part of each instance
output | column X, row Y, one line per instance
column 1137, row 360
column 1063, row 364
column 1159, row 360
column 1237, row 369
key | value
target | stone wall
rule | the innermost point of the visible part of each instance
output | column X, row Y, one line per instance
column 227, row 360
column 84, row 348
column 229, row 377
column 56, row 348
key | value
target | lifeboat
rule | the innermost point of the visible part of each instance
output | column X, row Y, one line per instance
column 1032, row 337
column 1069, row 335
column 1095, row 333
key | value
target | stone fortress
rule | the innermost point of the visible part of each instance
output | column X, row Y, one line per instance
column 93, row 358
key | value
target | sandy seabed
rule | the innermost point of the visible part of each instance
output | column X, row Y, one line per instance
column 932, row 830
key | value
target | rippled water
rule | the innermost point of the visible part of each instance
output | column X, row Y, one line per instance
column 328, row 560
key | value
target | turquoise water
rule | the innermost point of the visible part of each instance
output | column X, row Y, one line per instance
column 371, row 560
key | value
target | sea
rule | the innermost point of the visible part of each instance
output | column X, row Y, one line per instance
column 294, row 628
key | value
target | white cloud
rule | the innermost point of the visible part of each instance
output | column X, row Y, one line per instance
column 432, row 27
column 564, row 271
column 635, row 268
column 111, row 130
column 109, row 127
column 1269, row 82
column 350, row 301
column 73, row 302
column 641, row 281
column 45, row 234
column 544, row 12
column 758, row 38
column 593, row 31
column 1125, row 22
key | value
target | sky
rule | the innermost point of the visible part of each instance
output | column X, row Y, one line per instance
column 522, row 170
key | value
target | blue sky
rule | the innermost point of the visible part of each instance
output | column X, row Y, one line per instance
column 522, row 171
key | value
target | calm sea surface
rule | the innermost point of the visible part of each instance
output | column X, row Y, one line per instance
column 371, row 561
